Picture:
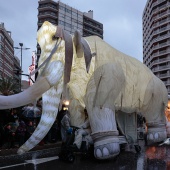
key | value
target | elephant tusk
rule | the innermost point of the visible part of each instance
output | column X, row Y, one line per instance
column 51, row 100
column 27, row 96
column 50, row 110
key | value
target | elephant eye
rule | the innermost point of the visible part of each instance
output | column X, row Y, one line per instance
column 54, row 38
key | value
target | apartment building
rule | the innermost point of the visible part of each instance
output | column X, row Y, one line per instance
column 156, row 39
column 70, row 19
column 6, row 52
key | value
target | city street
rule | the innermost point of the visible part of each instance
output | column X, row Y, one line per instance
column 153, row 157
column 125, row 161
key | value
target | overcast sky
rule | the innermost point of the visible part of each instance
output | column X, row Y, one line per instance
column 122, row 22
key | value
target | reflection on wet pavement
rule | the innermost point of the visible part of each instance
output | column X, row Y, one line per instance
column 158, row 157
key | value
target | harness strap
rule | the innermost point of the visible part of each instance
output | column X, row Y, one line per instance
column 47, row 60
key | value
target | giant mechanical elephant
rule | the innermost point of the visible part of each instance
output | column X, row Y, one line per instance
column 89, row 72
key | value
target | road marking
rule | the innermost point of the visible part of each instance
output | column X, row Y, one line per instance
column 42, row 160
column 13, row 165
column 33, row 161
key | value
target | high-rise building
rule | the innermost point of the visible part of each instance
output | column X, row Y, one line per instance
column 6, row 52
column 156, row 39
column 70, row 19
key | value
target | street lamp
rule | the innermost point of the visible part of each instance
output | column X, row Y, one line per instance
column 21, row 48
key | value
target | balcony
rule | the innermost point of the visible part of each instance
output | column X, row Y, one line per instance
column 157, row 2
column 48, row 7
column 47, row 15
column 168, row 90
column 158, row 61
column 164, row 75
column 94, row 26
column 161, row 45
column 161, row 68
column 160, row 38
column 93, row 32
column 160, row 53
column 167, row 83
column 157, row 39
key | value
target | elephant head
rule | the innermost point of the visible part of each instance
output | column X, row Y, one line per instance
column 55, row 64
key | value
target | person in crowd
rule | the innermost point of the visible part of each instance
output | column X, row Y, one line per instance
column 37, row 112
column 3, row 121
column 9, row 137
column 1, row 135
column 64, row 123
column 47, row 138
column 29, row 129
column 13, row 117
column 83, row 133
column 4, row 117
column 55, row 132
column 21, row 132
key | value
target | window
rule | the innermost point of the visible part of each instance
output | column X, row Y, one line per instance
column 62, row 8
column 68, row 11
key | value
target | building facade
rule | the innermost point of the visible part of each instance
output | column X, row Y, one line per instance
column 6, row 52
column 70, row 19
column 156, row 39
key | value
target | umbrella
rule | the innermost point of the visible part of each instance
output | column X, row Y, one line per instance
column 31, row 112
column 28, row 113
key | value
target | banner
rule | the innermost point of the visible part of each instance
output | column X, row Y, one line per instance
column 32, row 68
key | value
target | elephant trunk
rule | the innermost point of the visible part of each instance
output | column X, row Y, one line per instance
column 27, row 96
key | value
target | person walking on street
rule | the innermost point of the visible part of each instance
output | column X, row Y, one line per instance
column 83, row 134
column 64, row 123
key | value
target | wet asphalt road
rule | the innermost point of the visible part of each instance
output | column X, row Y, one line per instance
column 151, row 158
column 125, row 161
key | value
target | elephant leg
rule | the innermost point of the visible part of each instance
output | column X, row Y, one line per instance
column 102, row 90
column 105, row 134
column 156, row 132
column 153, row 109
column 168, row 129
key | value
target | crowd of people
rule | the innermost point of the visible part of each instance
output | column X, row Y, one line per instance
column 18, row 124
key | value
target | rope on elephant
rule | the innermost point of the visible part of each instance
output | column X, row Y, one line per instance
column 97, row 135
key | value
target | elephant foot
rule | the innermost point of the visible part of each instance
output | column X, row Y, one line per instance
column 156, row 133
column 106, row 147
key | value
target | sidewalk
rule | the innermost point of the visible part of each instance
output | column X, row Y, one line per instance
column 10, row 156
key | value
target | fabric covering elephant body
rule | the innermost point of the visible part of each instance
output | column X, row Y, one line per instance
column 114, row 83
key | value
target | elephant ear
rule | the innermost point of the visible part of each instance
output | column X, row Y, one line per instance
column 82, row 46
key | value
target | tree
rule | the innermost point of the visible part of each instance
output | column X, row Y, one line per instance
column 8, row 86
